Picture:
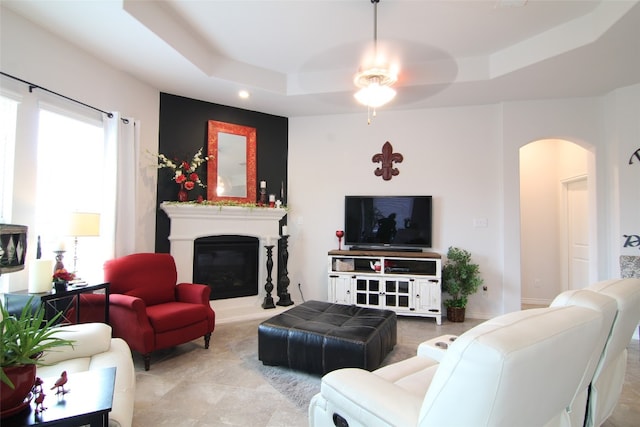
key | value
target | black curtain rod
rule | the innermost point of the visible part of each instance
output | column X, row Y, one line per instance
column 35, row 86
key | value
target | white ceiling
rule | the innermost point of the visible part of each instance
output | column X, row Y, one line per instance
column 299, row 57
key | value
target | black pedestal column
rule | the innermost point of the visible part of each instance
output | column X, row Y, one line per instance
column 283, row 282
column 268, row 300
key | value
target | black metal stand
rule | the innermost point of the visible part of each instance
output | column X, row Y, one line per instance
column 268, row 300
column 283, row 283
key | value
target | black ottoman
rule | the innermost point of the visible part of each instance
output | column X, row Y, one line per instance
column 319, row 337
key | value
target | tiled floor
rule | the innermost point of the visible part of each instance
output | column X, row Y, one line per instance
column 190, row 386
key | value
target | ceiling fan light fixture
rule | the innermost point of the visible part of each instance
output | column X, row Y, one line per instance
column 376, row 75
column 375, row 82
column 375, row 95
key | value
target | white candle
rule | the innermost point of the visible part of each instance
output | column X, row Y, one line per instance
column 272, row 198
column 60, row 247
column 268, row 241
column 263, row 184
column 285, row 231
column 40, row 275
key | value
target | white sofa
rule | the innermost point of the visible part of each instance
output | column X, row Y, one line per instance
column 525, row 368
column 606, row 386
column 93, row 348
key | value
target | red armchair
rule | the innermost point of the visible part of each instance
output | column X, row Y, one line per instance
column 149, row 311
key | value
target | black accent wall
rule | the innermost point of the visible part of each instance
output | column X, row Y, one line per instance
column 183, row 130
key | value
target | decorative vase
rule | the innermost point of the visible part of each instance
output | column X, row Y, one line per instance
column 183, row 196
column 14, row 400
column 455, row 314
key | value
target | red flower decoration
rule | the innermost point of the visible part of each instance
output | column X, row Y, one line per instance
column 62, row 275
column 184, row 172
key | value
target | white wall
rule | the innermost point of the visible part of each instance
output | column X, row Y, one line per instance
column 621, row 182
column 451, row 154
column 576, row 120
column 468, row 159
column 544, row 165
column 539, row 227
column 31, row 54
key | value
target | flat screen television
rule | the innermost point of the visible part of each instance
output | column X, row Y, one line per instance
column 388, row 222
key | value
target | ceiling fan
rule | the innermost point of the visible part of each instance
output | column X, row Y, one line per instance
column 375, row 81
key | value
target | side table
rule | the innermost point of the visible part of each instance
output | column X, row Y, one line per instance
column 87, row 402
column 55, row 302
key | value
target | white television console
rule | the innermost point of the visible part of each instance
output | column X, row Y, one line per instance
column 405, row 282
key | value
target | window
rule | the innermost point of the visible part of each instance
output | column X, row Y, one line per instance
column 70, row 178
column 8, row 112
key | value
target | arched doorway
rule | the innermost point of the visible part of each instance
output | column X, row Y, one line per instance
column 555, row 242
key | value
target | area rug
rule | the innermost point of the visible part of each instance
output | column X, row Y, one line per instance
column 297, row 386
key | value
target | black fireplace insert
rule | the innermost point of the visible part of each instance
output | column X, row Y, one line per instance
column 228, row 264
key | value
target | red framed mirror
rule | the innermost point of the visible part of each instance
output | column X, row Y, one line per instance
column 231, row 169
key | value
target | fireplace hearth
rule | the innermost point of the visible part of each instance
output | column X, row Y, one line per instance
column 228, row 264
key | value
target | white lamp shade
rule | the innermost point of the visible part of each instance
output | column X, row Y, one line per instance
column 84, row 224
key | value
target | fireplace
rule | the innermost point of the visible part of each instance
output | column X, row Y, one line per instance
column 228, row 264
column 191, row 221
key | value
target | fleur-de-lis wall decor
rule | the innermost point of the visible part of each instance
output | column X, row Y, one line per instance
column 635, row 156
column 387, row 157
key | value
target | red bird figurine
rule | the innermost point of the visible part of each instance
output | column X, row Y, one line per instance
column 39, row 402
column 60, row 383
column 37, row 386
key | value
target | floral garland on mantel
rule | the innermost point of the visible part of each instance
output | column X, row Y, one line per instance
column 224, row 203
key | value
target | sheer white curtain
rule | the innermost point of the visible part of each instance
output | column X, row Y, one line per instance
column 122, row 141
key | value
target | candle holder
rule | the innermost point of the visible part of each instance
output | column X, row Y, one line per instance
column 263, row 197
column 283, row 283
column 268, row 299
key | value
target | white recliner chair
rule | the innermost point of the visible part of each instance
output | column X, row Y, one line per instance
column 608, row 380
column 93, row 348
column 575, row 414
column 522, row 368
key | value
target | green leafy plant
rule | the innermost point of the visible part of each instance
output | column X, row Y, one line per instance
column 26, row 337
column 460, row 277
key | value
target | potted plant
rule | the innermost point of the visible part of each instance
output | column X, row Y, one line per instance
column 460, row 278
column 23, row 339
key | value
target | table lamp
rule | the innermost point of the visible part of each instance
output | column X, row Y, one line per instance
column 82, row 224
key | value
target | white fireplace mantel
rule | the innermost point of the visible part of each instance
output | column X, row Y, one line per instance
column 190, row 221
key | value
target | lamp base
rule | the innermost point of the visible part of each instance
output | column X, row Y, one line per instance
column 59, row 264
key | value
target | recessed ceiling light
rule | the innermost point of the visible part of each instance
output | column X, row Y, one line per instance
column 243, row 94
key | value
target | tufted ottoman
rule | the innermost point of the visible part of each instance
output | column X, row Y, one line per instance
column 319, row 337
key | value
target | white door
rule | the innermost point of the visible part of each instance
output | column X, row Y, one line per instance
column 577, row 232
